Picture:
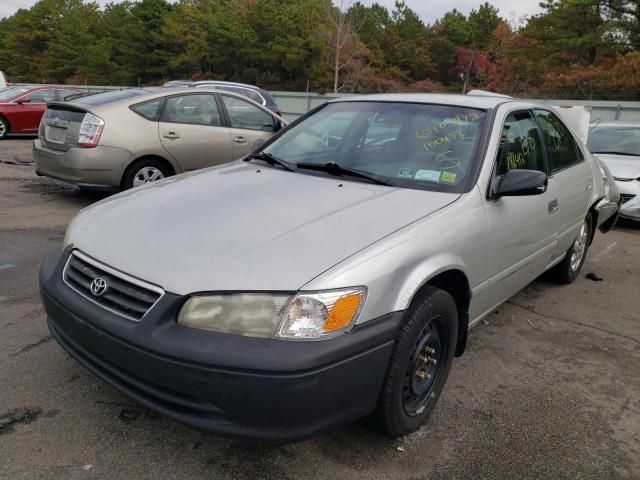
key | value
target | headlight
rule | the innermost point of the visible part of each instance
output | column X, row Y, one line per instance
column 303, row 316
column 321, row 314
column 250, row 314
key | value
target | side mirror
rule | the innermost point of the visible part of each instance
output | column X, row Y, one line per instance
column 522, row 182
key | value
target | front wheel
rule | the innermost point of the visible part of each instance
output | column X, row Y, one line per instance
column 420, row 363
column 569, row 268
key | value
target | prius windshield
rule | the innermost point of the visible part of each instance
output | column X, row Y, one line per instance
column 410, row 145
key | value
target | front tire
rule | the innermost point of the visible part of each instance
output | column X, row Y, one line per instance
column 420, row 362
column 569, row 268
column 4, row 128
column 146, row 170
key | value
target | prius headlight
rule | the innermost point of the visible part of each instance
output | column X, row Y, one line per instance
column 303, row 316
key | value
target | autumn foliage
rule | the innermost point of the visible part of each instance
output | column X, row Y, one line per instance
column 573, row 49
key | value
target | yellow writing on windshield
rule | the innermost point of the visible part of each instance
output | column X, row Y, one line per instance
column 459, row 120
column 444, row 139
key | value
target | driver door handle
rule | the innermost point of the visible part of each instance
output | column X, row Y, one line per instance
column 171, row 135
column 240, row 140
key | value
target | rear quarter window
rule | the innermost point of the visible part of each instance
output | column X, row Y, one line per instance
column 151, row 110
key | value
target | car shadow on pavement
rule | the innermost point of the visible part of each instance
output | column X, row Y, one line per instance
column 62, row 190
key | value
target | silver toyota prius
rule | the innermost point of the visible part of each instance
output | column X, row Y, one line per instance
column 333, row 273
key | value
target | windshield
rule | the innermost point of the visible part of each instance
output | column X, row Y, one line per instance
column 624, row 140
column 11, row 92
column 409, row 144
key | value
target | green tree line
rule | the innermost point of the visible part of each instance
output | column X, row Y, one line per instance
column 572, row 49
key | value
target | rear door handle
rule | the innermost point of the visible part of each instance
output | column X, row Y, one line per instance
column 240, row 140
column 171, row 135
column 553, row 206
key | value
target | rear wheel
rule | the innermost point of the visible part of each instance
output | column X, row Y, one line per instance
column 4, row 128
column 420, row 363
column 569, row 269
column 146, row 170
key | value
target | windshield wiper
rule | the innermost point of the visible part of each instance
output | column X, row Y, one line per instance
column 271, row 160
column 334, row 169
column 617, row 153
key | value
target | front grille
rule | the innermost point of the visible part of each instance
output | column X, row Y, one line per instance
column 625, row 197
column 112, row 290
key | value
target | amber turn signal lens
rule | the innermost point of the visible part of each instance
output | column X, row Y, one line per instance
column 342, row 312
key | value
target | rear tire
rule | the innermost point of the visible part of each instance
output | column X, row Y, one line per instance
column 4, row 128
column 569, row 268
column 146, row 170
column 420, row 362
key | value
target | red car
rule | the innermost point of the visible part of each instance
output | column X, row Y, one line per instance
column 21, row 108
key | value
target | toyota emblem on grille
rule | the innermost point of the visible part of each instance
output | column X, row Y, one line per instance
column 99, row 286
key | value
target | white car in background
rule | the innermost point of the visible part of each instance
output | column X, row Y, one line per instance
column 617, row 145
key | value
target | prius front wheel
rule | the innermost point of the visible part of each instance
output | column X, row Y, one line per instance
column 420, row 363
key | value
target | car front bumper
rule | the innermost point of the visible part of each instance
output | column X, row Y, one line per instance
column 273, row 390
column 91, row 167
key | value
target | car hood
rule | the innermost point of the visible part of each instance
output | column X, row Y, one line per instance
column 243, row 227
column 622, row 166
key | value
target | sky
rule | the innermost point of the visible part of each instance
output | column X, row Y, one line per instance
column 428, row 10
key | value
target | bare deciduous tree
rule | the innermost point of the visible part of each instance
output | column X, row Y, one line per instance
column 342, row 40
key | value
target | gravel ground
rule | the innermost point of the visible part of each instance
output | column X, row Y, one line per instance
column 549, row 386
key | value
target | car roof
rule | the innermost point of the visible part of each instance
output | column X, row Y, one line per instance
column 34, row 88
column 469, row 101
column 615, row 123
column 145, row 94
column 222, row 82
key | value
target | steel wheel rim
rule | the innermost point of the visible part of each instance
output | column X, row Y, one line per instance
column 579, row 247
column 425, row 366
column 147, row 175
column 3, row 129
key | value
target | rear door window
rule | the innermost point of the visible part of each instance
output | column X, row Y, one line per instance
column 196, row 109
column 150, row 110
column 520, row 144
column 247, row 116
column 562, row 151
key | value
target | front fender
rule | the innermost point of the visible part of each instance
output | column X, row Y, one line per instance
column 396, row 267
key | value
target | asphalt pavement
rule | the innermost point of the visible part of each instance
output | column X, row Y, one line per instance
column 549, row 386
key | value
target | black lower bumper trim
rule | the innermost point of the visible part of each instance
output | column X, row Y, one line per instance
column 279, row 404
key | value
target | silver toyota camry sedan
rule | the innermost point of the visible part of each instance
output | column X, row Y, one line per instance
column 333, row 273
